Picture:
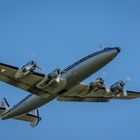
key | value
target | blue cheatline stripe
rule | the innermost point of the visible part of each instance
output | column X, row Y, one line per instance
column 14, row 107
column 87, row 57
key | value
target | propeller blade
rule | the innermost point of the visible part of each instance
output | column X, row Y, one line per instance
column 34, row 56
column 58, row 78
column 38, row 67
column 128, row 80
column 35, row 60
column 104, row 74
column 107, row 90
column 125, row 92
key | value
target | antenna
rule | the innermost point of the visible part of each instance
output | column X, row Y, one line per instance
column 100, row 46
column 109, row 45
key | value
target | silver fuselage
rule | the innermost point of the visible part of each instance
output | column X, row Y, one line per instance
column 73, row 74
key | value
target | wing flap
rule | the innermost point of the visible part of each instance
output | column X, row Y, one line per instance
column 83, row 99
column 23, row 86
column 80, row 89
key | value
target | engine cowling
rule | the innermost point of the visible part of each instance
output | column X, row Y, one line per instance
column 30, row 67
column 97, row 84
column 55, row 74
column 51, row 79
column 119, row 88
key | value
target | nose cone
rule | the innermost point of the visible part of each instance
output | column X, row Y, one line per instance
column 110, row 54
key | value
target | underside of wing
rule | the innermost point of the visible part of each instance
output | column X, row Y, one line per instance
column 83, row 93
column 83, row 99
column 130, row 95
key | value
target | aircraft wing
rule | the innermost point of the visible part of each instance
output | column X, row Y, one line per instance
column 131, row 95
column 27, row 83
column 81, row 93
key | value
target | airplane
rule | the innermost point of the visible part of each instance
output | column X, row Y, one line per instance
column 63, row 85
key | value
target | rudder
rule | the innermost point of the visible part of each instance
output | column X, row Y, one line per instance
column 3, row 106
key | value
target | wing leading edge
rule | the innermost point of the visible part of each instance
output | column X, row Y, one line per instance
column 33, row 82
column 7, row 75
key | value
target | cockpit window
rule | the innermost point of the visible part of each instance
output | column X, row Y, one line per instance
column 32, row 62
column 106, row 48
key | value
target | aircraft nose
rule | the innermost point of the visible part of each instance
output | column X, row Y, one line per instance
column 118, row 49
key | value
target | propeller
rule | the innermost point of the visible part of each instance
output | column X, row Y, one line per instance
column 58, row 78
column 35, row 61
column 102, row 82
column 107, row 89
column 104, row 74
column 120, row 86
column 128, row 79
column 33, row 56
column 39, row 68
column 125, row 92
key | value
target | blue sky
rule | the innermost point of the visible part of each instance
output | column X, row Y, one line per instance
column 61, row 32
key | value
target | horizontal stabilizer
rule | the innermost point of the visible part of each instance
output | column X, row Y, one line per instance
column 32, row 117
column 3, row 106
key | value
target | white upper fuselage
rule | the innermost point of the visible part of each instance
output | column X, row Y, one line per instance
column 88, row 65
column 73, row 75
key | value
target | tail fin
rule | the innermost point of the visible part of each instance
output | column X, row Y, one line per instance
column 32, row 117
column 3, row 106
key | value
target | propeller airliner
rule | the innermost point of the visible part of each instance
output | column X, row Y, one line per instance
column 63, row 85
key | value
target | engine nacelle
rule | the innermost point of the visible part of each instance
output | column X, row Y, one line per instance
column 52, row 79
column 97, row 84
column 55, row 75
column 117, row 87
column 26, row 69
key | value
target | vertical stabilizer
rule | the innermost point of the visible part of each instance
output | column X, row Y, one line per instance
column 3, row 106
